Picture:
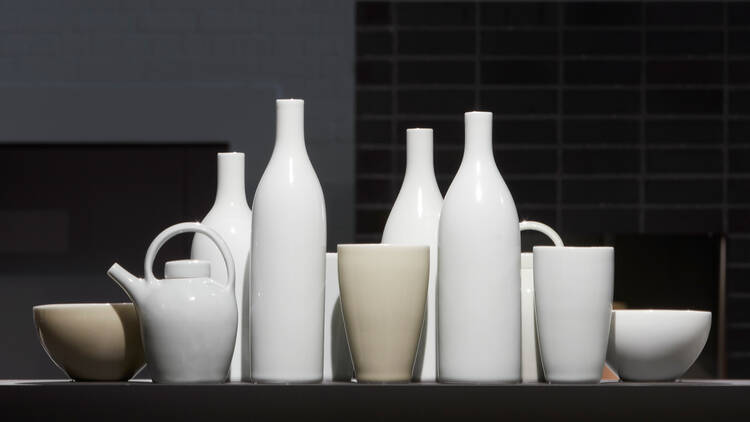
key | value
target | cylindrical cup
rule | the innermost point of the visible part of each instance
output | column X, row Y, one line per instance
column 573, row 289
column 383, row 294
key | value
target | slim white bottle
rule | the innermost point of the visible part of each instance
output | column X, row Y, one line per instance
column 414, row 220
column 479, row 286
column 231, row 217
column 288, row 259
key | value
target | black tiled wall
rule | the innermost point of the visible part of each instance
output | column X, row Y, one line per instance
column 627, row 117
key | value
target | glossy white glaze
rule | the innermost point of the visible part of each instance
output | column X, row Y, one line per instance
column 414, row 220
column 337, row 360
column 573, row 289
column 479, row 286
column 656, row 345
column 288, row 260
column 230, row 216
column 531, row 361
column 188, row 324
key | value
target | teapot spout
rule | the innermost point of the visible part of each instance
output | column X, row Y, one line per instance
column 132, row 285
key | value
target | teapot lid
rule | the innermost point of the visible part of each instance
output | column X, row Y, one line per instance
column 187, row 268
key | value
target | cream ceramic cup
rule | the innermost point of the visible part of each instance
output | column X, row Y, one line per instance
column 383, row 294
column 573, row 289
column 92, row 341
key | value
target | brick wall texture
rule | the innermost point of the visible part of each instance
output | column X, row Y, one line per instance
column 610, row 117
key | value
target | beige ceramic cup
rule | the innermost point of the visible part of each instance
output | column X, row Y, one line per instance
column 92, row 341
column 383, row 294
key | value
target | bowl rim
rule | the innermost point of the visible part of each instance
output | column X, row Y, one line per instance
column 79, row 305
column 661, row 311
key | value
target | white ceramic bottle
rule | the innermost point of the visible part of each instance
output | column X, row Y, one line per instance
column 414, row 220
column 288, row 260
column 479, row 286
column 230, row 216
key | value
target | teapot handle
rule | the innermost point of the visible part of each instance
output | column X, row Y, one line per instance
column 543, row 228
column 173, row 231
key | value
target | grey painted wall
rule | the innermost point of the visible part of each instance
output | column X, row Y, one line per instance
column 171, row 71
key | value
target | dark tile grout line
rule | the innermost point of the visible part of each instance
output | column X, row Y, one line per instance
column 394, row 101
column 642, row 127
column 477, row 56
column 559, row 223
column 725, row 120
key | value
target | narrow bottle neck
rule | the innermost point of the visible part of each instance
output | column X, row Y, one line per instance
column 419, row 158
column 478, row 134
column 290, row 125
column 230, row 182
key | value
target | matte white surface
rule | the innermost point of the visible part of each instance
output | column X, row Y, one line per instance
column 656, row 345
column 337, row 361
column 414, row 220
column 288, row 260
column 479, row 285
column 531, row 360
column 230, row 216
column 573, row 288
column 383, row 295
column 188, row 325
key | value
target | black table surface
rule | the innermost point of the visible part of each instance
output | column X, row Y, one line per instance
column 143, row 400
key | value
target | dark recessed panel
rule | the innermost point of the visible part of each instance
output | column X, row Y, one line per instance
column 603, row 14
column 600, row 131
column 616, row 191
column 684, row 13
column 685, row 161
column 440, row 14
column 601, row 102
column 518, row 13
column 514, row 101
column 700, row 191
column 679, row 131
column 518, row 42
column 599, row 72
column 600, row 161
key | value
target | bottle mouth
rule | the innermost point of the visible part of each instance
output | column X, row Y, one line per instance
column 289, row 101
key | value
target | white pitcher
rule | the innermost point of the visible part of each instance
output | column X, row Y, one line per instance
column 188, row 321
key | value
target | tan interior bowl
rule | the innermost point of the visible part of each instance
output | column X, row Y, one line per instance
column 92, row 341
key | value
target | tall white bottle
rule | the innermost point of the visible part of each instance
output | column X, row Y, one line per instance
column 414, row 220
column 288, row 259
column 479, row 286
column 230, row 216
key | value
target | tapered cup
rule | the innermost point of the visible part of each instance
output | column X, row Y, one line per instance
column 573, row 288
column 383, row 294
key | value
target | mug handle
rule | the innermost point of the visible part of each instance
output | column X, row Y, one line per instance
column 543, row 228
column 180, row 228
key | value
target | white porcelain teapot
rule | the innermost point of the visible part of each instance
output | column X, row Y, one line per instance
column 188, row 321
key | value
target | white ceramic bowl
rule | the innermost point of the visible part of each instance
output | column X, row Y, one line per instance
column 656, row 345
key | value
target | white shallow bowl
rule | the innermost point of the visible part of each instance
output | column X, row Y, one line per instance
column 656, row 345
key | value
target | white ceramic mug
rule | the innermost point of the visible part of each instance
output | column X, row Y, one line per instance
column 383, row 296
column 573, row 292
